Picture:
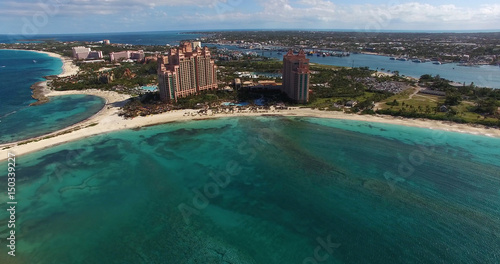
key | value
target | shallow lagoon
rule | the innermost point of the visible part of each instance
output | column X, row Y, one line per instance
column 18, row 71
column 294, row 184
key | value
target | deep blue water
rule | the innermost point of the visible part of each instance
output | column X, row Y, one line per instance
column 135, row 38
column 260, row 190
column 18, row 71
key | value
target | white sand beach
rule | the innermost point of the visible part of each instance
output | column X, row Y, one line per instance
column 69, row 68
column 107, row 120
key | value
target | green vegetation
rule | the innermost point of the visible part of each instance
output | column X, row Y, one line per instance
column 126, row 77
column 333, row 88
column 463, row 104
column 228, row 69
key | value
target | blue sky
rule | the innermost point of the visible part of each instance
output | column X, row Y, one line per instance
column 93, row 16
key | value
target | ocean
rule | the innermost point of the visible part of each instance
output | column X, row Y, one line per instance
column 134, row 38
column 18, row 71
column 243, row 190
column 260, row 190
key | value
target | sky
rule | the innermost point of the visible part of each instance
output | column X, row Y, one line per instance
column 29, row 17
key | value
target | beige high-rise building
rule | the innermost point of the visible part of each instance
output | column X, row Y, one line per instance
column 186, row 72
column 296, row 76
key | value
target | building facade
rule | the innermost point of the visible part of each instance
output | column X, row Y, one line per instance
column 128, row 54
column 186, row 71
column 83, row 53
column 296, row 76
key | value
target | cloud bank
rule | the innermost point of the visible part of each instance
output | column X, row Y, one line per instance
column 140, row 15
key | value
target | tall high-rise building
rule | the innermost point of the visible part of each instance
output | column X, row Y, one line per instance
column 296, row 76
column 185, row 72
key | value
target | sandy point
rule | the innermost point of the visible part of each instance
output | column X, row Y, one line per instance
column 69, row 67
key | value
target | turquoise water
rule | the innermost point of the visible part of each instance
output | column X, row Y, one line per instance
column 18, row 71
column 60, row 112
column 260, row 190
column 152, row 88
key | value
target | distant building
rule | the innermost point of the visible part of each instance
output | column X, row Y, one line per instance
column 186, row 72
column 296, row 76
column 83, row 53
column 126, row 55
column 106, row 42
column 94, row 55
column 80, row 53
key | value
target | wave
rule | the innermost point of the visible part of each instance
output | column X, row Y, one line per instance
column 13, row 112
column 8, row 114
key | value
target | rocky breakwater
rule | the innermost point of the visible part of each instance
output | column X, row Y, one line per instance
column 38, row 91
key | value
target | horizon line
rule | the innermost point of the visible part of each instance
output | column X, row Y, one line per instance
column 433, row 31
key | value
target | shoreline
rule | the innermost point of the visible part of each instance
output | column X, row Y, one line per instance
column 107, row 120
column 39, row 89
column 68, row 67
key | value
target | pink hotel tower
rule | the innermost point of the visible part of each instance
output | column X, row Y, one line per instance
column 186, row 72
column 296, row 76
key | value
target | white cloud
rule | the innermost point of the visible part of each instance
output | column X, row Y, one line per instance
column 90, row 7
column 325, row 14
column 269, row 14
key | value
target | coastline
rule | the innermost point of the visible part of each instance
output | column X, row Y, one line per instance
column 68, row 67
column 40, row 88
column 107, row 120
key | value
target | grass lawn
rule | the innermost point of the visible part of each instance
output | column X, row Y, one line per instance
column 328, row 102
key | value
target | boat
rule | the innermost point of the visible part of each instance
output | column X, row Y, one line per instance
column 437, row 63
column 34, row 61
column 392, row 58
column 417, row 61
column 402, row 59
